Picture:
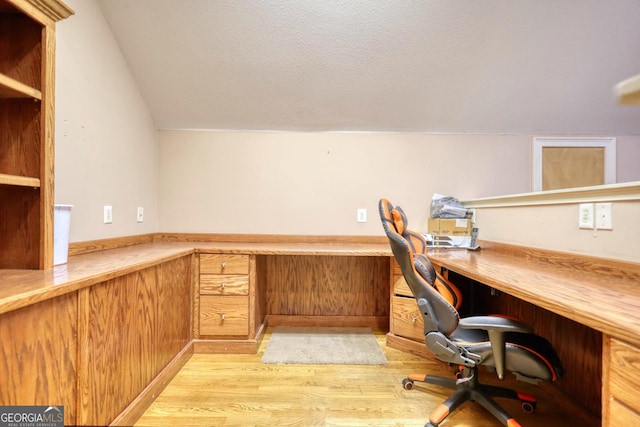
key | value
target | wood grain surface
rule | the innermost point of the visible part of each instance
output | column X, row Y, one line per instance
column 588, row 296
column 327, row 286
column 624, row 375
column 135, row 325
column 214, row 389
column 38, row 355
column 599, row 293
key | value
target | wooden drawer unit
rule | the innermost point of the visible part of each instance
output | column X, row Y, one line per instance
column 407, row 321
column 224, row 315
column 624, row 383
column 224, row 295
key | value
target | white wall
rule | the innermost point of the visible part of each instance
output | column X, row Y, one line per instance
column 313, row 183
column 105, row 139
column 556, row 227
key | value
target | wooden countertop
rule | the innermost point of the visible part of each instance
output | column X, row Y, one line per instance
column 19, row 288
column 600, row 293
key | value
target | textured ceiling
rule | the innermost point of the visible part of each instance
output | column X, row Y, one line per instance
column 527, row 66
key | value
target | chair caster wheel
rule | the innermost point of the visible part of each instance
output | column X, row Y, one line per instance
column 528, row 407
column 407, row 384
column 430, row 425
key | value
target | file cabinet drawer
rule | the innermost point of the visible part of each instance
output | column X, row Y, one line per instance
column 224, row 264
column 229, row 284
column 224, row 315
column 407, row 321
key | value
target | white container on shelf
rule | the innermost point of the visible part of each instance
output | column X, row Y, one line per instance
column 61, row 224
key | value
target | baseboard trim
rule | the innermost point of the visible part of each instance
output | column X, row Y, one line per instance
column 140, row 404
column 221, row 346
column 374, row 322
column 77, row 248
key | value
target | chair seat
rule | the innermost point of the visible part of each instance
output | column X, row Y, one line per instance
column 527, row 354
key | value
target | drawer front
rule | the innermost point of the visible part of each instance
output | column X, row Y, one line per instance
column 224, row 284
column 224, row 315
column 224, row 264
column 400, row 286
column 624, row 376
column 407, row 321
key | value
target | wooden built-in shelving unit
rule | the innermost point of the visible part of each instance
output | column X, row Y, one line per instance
column 27, row 43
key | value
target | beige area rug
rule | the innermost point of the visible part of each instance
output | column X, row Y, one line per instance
column 322, row 346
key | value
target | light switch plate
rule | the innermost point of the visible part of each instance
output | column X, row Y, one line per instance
column 603, row 216
column 108, row 214
column 362, row 215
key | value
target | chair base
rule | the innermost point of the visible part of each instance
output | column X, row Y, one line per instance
column 467, row 388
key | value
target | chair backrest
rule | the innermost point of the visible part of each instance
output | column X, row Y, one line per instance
column 438, row 313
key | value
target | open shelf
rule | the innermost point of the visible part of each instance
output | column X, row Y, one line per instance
column 21, row 181
column 10, row 88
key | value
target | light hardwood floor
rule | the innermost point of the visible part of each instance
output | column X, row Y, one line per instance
column 238, row 390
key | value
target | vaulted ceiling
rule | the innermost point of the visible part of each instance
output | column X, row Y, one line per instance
column 496, row 66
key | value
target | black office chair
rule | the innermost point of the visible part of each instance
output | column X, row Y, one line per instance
column 501, row 343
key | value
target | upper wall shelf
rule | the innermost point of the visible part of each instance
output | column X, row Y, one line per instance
column 597, row 193
column 629, row 91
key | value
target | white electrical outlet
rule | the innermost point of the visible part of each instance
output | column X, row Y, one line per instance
column 108, row 214
column 603, row 216
column 140, row 215
column 362, row 215
column 585, row 215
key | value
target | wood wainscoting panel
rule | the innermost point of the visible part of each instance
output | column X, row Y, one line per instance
column 327, row 286
column 173, row 315
column 38, row 355
column 117, row 359
column 135, row 325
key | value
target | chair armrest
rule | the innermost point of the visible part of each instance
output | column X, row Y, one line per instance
column 496, row 327
column 495, row 323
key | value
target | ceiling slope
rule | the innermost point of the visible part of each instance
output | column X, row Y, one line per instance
column 489, row 66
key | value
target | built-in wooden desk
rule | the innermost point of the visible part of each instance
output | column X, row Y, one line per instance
column 602, row 294
column 597, row 328
column 104, row 333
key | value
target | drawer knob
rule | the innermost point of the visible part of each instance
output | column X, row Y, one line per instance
column 223, row 285
column 414, row 320
column 222, row 316
column 224, row 265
